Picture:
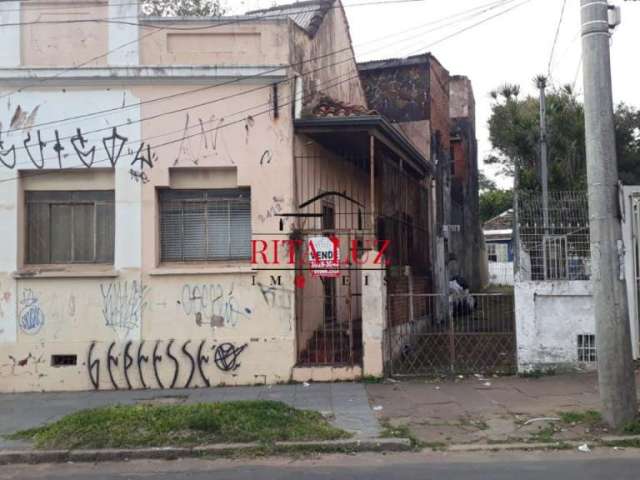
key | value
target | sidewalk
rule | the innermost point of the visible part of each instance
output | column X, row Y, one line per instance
column 490, row 410
column 345, row 404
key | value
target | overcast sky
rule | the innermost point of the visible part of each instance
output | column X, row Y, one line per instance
column 513, row 47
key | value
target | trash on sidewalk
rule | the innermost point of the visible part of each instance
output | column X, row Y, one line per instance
column 487, row 384
column 542, row 419
column 437, row 387
column 377, row 408
column 584, row 448
column 306, row 384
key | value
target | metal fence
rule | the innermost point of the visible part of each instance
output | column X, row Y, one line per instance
column 467, row 334
column 558, row 248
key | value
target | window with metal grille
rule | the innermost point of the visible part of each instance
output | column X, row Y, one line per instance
column 205, row 225
column 587, row 348
column 70, row 227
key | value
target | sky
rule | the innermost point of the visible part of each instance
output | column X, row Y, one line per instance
column 513, row 47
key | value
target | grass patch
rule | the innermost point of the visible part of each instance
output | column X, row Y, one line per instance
column 632, row 428
column 590, row 417
column 538, row 373
column 131, row 426
column 544, row 435
column 403, row 431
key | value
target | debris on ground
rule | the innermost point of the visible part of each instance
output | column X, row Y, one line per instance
column 541, row 419
column 584, row 448
column 377, row 408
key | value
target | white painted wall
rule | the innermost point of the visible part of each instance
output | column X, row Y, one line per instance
column 123, row 38
column 630, row 236
column 549, row 317
column 501, row 273
column 38, row 107
column 10, row 35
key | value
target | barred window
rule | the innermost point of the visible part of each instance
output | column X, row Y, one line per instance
column 205, row 225
column 70, row 227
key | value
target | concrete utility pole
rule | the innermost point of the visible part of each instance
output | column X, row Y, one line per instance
column 544, row 171
column 613, row 340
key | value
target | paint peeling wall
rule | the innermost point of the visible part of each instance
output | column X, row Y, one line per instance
column 549, row 318
column 140, row 323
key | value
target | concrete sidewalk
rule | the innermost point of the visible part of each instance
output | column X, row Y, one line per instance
column 345, row 404
column 481, row 409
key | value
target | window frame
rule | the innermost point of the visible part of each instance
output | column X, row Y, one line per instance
column 242, row 195
column 74, row 199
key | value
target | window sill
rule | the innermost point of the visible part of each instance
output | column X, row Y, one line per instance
column 65, row 272
column 201, row 269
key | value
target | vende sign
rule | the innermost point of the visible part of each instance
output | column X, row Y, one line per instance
column 324, row 257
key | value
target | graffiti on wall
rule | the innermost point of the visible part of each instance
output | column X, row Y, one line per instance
column 39, row 150
column 212, row 305
column 123, row 303
column 130, row 361
column 31, row 318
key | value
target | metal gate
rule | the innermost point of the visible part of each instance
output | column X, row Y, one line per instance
column 430, row 334
column 329, row 313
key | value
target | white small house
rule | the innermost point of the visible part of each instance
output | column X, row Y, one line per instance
column 498, row 235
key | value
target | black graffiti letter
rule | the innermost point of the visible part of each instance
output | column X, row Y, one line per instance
column 176, row 364
column 41, row 145
column 111, row 360
column 141, row 359
column 93, row 367
column 226, row 357
column 193, row 363
column 203, row 359
column 6, row 153
column 112, row 152
column 142, row 159
column 157, row 359
column 58, row 148
column 82, row 155
column 128, row 362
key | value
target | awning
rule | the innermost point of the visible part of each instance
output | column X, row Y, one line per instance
column 349, row 137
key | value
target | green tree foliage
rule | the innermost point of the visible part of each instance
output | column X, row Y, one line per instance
column 183, row 8
column 494, row 202
column 485, row 183
column 514, row 133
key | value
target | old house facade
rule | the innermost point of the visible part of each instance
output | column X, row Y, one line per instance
column 160, row 178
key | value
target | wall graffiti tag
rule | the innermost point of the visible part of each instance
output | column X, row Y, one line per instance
column 121, row 364
column 31, row 316
column 213, row 306
column 35, row 147
column 123, row 303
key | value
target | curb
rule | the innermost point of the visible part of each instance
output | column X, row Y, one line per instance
column 574, row 444
column 8, row 457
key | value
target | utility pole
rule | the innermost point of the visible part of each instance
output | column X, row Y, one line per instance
column 544, row 171
column 613, row 340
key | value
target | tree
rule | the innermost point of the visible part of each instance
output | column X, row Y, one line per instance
column 485, row 183
column 494, row 202
column 514, row 133
column 180, row 8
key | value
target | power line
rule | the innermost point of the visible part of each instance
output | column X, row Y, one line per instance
column 464, row 14
column 157, row 29
column 481, row 22
column 555, row 40
column 219, row 127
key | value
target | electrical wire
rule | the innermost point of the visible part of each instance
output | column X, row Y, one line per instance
column 244, row 119
column 464, row 14
column 555, row 39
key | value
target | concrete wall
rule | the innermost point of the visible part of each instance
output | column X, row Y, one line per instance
column 138, row 322
column 549, row 317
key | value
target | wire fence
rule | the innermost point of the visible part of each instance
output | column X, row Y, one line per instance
column 554, row 244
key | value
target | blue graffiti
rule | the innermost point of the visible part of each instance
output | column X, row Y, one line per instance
column 31, row 316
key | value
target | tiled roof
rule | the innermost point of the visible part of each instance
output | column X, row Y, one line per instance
column 503, row 221
column 308, row 15
column 324, row 106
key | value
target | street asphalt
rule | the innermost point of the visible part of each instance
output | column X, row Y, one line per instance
column 523, row 466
